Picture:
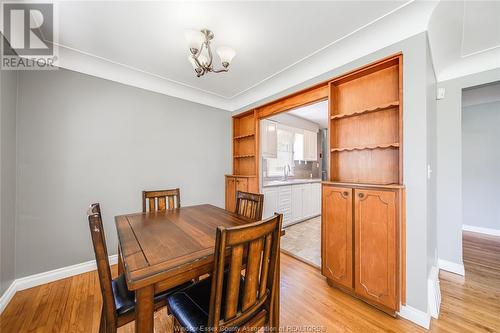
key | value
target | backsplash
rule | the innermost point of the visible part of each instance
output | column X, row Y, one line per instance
column 302, row 170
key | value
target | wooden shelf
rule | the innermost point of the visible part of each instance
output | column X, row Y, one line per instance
column 244, row 156
column 368, row 110
column 243, row 136
column 382, row 146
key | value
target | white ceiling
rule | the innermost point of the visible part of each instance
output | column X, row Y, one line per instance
column 316, row 113
column 279, row 44
column 268, row 36
column 465, row 37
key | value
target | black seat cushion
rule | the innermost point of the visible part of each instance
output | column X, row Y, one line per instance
column 125, row 299
column 190, row 306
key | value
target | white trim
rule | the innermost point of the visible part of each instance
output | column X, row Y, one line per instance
column 451, row 267
column 416, row 316
column 434, row 292
column 7, row 296
column 481, row 230
column 34, row 280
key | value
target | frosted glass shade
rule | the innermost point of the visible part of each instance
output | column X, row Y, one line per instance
column 202, row 59
column 194, row 38
column 226, row 54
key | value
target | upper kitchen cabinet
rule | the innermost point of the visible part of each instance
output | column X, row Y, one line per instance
column 269, row 139
column 305, row 147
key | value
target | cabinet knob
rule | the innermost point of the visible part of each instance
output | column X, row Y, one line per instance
column 345, row 193
column 361, row 195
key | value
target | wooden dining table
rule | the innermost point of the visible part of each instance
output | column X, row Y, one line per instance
column 161, row 250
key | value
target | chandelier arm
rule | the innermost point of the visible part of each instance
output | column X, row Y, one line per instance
column 210, row 55
column 220, row 70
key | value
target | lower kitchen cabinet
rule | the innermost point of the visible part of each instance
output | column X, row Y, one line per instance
column 296, row 202
column 361, row 247
column 238, row 183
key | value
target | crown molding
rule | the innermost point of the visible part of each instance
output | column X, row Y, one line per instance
column 411, row 18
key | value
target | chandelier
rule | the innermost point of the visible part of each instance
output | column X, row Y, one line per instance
column 201, row 56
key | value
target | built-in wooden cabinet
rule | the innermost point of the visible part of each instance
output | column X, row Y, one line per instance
column 337, row 234
column 363, row 221
column 361, row 228
column 375, row 246
column 236, row 183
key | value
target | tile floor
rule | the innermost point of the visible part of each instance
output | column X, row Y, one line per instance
column 304, row 240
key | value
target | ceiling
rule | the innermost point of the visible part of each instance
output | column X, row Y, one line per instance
column 487, row 93
column 279, row 44
column 464, row 37
column 316, row 113
column 141, row 43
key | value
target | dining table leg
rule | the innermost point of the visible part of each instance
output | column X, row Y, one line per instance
column 144, row 321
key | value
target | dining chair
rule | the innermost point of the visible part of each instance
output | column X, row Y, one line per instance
column 231, row 301
column 249, row 205
column 118, row 306
column 161, row 200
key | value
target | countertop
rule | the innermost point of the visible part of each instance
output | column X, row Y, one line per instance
column 290, row 182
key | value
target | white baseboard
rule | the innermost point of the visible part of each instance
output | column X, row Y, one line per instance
column 416, row 316
column 481, row 230
column 434, row 292
column 47, row 277
column 451, row 267
column 7, row 296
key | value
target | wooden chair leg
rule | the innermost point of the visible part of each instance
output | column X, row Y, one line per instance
column 102, row 323
column 120, row 263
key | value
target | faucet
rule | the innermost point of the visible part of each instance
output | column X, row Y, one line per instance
column 286, row 171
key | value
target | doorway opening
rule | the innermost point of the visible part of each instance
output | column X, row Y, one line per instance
column 293, row 162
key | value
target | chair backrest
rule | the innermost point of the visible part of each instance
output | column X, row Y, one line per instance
column 255, row 247
column 250, row 205
column 161, row 200
column 101, row 257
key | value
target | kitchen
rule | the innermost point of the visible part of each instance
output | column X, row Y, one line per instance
column 293, row 162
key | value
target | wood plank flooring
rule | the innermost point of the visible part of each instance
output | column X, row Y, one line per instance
column 470, row 304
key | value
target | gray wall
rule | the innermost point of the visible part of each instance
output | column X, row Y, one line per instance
column 83, row 139
column 414, row 149
column 481, row 165
column 449, row 163
column 432, row 255
column 8, row 98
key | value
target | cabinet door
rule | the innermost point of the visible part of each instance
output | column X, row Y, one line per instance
column 308, row 202
column 336, row 229
column 230, row 194
column 242, row 184
column 375, row 246
column 310, row 146
column 271, row 196
column 285, row 203
column 269, row 139
column 297, row 203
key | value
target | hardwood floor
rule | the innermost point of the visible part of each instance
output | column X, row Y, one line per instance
column 470, row 304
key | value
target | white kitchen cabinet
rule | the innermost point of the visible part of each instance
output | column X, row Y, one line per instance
column 310, row 146
column 285, row 203
column 269, row 139
column 308, row 204
column 298, row 202
column 298, row 146
column 271, row 197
